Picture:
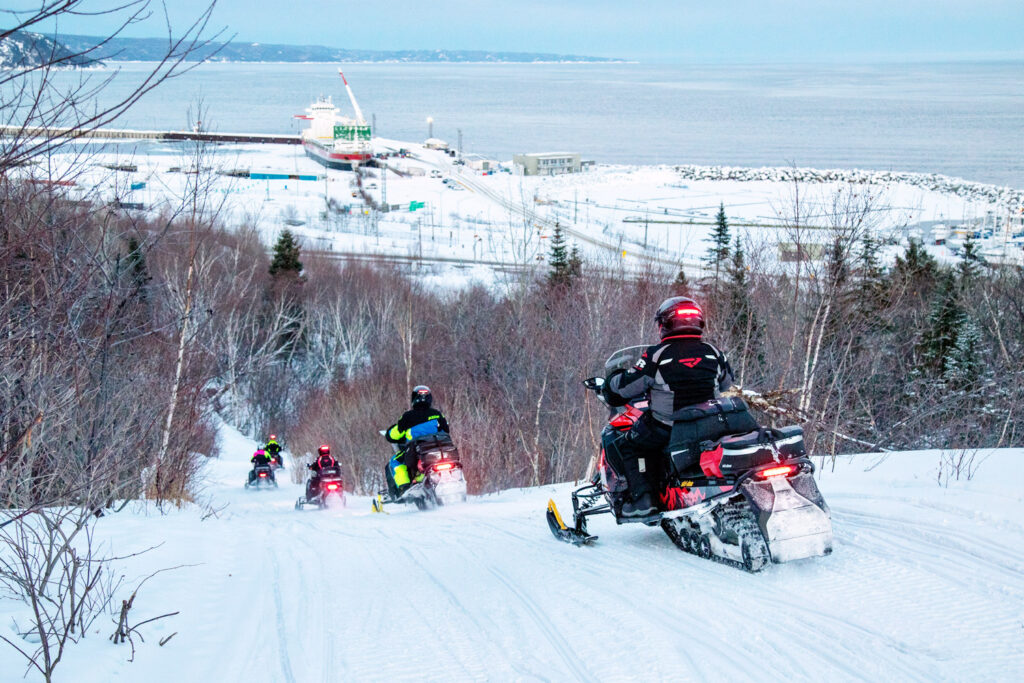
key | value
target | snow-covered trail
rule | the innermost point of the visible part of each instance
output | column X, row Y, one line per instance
column 925, row 583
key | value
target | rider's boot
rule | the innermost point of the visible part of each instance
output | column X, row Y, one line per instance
column 640, row 506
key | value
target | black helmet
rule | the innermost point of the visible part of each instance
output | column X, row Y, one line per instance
column 421, row 396
column 324, row 450
column 679, row 315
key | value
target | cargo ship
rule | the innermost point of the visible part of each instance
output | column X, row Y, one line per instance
column 333, row 140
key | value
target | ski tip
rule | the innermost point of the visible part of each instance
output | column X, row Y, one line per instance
column 553, row 509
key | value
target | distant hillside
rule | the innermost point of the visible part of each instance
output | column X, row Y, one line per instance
column 23, row 50
column 148, row 49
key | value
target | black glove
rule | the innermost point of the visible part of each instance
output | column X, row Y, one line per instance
column 610, row 397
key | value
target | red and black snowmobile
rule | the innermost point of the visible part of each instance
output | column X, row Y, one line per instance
column 751, row 500
column 324, row 490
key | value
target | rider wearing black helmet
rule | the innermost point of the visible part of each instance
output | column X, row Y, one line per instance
column 324, row 461
column 680, row 371
column 420, row 420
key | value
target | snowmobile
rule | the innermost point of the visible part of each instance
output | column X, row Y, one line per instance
column 751, row 501
column 261, row 476
column 440, row 479
column 327, row 490
column 276, row 461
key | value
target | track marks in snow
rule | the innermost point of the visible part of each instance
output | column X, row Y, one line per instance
column 282, row 625
column 564, row 650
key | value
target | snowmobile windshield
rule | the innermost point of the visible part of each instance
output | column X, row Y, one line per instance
column 623, row 359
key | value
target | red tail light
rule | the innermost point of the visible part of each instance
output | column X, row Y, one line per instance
column 263, row 474
column 332, row 487
column 782, row 470
column 443, row 466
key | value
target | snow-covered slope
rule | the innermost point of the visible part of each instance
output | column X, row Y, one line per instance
column 925, row 583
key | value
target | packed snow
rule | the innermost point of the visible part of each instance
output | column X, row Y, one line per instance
column 924, row 584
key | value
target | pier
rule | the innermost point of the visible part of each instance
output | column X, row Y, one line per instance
column 165, row 136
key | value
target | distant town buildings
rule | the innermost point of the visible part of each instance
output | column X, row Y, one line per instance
column 552, row 163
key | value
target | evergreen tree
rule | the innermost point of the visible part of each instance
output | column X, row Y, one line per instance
column 944, row 323
column 286, row 255
column 137, row 269
column 558, row 259
column 718, row 252
column 575, row 266
column 917, row 269
column 680, row 286
column 287, row 281
column 742, row 321
column 962, row 364
column 971, row 261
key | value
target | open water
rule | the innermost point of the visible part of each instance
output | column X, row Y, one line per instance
column 959, row 119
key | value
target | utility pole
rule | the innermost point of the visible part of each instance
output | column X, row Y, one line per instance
column 384, row 187
column 460, row 142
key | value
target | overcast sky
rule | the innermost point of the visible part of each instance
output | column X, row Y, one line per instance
column 648, row 30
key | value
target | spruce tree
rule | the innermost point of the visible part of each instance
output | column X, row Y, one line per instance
column 287, row 281
column 962, row 365
column 718, row 252
column 916, row 268
column 558, row 259
column 575, row 266
column 286, row 255
column 971, row 261
column 742, row 322
column 944, row 323
column 137, row 269
column 680, row 286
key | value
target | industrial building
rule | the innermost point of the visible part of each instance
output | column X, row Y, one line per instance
column 552, row 163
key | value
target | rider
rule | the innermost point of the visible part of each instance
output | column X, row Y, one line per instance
column 421, row 420
column 678, row 372
column 258, row 458
column 274, row 449
column 324, row 461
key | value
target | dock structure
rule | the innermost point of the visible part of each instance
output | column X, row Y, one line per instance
column 166, row 136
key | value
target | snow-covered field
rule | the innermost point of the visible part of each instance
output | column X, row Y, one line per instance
column 925, row 583
column 471, row 223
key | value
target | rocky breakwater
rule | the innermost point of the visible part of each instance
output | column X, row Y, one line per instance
column 1008, row 197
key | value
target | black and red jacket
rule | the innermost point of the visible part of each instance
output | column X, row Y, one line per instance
column 324, row 462
column 680, row 371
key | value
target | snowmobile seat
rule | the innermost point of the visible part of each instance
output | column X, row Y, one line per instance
column 790, row 441
column 741, row 452
column 434, row 448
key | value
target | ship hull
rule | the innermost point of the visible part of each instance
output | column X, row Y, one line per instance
column 344, row 161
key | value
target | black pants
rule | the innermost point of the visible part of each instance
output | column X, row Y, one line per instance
column 645, row 442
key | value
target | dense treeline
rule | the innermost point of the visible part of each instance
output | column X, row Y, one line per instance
column 122, row 337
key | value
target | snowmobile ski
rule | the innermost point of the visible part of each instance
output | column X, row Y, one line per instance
column 564, row 533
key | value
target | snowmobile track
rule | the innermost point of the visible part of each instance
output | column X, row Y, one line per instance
column 564, row 650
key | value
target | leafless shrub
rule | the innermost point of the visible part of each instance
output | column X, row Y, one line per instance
column 959, row 465
column 49, row 561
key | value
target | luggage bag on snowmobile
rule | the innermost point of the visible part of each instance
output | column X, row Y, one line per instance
column 694, row 426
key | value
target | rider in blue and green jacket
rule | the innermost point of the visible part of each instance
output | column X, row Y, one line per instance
column 421, row 420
